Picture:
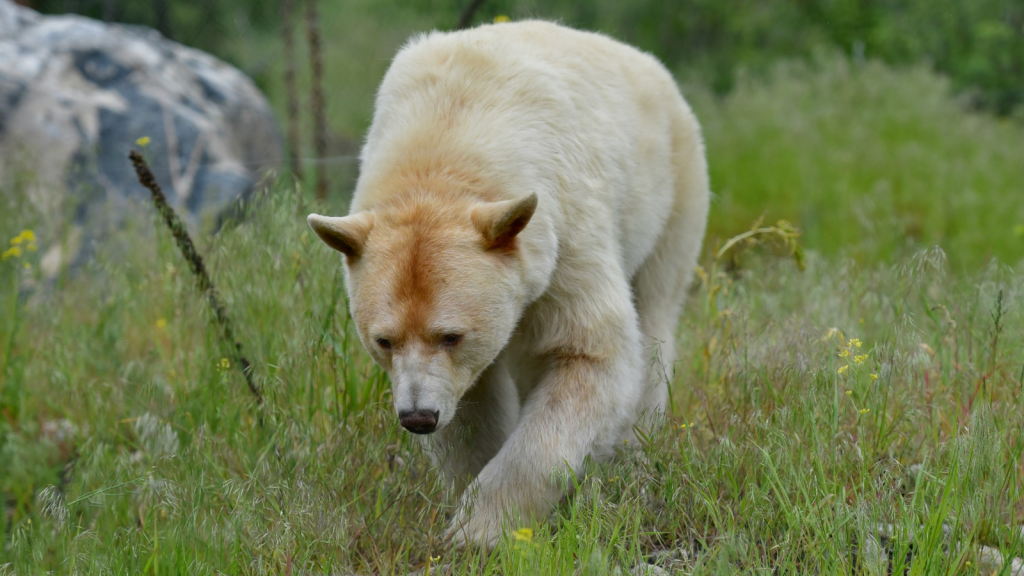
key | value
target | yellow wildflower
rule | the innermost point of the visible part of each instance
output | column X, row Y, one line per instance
column 161, row 323
column 844, row 369
column 845, row 353
column 860, row 359
column 12, row 252
column 855, row 342
column 874, row 376
column 501, row 18
column 25, row 237
column 865, row 410
column 849, row 392
column 26, row 240
column 225, row 364
column 523, row 535
column 144, row 141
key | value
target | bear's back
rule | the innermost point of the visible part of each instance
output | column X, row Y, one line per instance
column 522, row 96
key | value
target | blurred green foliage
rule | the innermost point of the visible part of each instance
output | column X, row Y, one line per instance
column 870, row 162
column 210, row 25
column 802, row 120
column 978, row 43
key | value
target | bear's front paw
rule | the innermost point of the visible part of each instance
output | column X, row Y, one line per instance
column 479, row 527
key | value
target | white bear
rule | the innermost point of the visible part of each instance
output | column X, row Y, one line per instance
column 529, row 212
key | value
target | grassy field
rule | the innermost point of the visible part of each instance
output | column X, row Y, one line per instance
column 864, row 415
column 872, row 163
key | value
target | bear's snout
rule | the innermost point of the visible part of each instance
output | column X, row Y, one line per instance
column 419, row 421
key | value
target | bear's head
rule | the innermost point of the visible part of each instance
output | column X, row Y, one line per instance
column 435, row 288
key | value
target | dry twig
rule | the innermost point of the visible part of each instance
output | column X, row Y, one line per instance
column 195, row 261
column 316, row 97
column 467, row 15
column 289, row 82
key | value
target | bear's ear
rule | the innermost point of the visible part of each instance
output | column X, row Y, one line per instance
column 346, row 234
column 500, row 222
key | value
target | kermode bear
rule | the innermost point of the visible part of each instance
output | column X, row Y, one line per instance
column 528, row 215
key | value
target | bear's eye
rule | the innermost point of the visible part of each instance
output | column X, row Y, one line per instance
column 384, row 343
column 451, row 339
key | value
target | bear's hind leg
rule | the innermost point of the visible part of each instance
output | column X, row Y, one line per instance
column 661, row 283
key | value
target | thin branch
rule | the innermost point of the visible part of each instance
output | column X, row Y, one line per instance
column 467, row 14
column 195, row 261
column 316, row 96
column 162, row 9
column 289, row 82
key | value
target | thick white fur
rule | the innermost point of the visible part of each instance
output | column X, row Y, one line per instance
column 570, row 333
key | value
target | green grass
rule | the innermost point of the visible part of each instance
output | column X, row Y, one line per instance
column 869, row 162
column 126, row 445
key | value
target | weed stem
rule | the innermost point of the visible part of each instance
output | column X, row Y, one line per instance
column 195, row 261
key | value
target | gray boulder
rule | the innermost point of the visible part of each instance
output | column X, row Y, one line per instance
column 75, row 96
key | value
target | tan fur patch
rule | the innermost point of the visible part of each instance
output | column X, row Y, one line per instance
column 577, row 375
column 419, row 175
column 418, row 237
column 417, row 278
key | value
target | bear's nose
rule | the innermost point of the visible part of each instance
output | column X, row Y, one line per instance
column 418, row 421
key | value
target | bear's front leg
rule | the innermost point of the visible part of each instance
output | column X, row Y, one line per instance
column 487, row 415
column 585, row 400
